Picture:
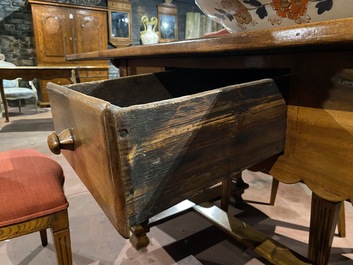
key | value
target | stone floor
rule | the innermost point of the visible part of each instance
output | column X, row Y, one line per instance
column 186, row 239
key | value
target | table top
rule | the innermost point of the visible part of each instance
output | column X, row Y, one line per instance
column 42, row 72
column 21, row 68
column 327, row 34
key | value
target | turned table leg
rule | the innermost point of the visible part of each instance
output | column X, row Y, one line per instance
column 323, row 221
column 139, row 238
column 4, row 102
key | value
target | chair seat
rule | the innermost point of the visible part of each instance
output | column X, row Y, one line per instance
column 18, row 92
column 31, row 186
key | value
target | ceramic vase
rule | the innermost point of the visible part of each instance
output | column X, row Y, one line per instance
column 149, row 34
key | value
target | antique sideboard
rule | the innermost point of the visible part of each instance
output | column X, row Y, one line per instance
column 61, row 29
column 319, row 135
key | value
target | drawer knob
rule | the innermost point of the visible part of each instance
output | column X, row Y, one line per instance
column 65, row 140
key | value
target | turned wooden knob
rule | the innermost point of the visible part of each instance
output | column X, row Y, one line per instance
column 64, row 140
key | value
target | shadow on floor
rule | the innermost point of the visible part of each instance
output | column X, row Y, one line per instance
column 29, row 125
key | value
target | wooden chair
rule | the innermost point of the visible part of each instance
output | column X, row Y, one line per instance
column 32, row 199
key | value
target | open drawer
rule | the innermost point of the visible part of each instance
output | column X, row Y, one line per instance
column 142, row 144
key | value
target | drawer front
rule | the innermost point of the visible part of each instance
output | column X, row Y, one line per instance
column 42, row 91
column 84, row 75
column 94, row 74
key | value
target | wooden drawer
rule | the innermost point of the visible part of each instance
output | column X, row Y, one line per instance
column 103, row 74
column 42, row 91
column 91, row 74
column 142, row 144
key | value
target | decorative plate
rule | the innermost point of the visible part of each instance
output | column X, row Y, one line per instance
column 245, row 15
column 79, row 2
column 85, row 2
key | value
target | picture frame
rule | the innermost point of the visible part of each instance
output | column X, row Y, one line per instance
column 119, row 20
column 167, row 22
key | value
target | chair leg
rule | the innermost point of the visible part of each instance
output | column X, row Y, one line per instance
column 63, row 247
column 19, row 105
column 36, row 104
column 43, row 237
column 62, row 241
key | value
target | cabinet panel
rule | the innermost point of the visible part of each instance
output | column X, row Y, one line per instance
column 90, row 29
column 85, row 76
column 61, row 29
column 53, row 33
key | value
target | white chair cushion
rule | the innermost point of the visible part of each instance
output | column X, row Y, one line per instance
column 18, row 92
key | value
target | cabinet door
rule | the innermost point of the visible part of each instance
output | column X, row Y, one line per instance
column 90, row 30
column 53, row 33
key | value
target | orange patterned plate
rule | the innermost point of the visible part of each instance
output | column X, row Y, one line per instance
column 246, row 15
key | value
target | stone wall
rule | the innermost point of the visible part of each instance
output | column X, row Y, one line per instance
column 16, row 32
column 16, row 27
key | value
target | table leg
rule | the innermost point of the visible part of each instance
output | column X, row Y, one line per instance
column 274, row 189
column 323, row 221
column 342, row 222
column 75, row 76
column 226, row 190
column 4, row 102
column 240, row 187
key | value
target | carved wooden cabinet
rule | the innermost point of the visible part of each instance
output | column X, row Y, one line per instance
column 62, row 29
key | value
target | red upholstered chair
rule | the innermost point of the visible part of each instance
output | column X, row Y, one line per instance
column 32, row 199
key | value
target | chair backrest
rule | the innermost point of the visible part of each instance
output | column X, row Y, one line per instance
column 8, row 83
column 5, row 64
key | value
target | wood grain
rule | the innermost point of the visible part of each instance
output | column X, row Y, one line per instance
column 333, row 33
column 58, row 222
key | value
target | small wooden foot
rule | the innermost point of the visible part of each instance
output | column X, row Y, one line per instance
column 139, row 238
column 323, row 221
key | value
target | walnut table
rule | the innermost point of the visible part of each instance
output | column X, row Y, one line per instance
column 319, row 136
